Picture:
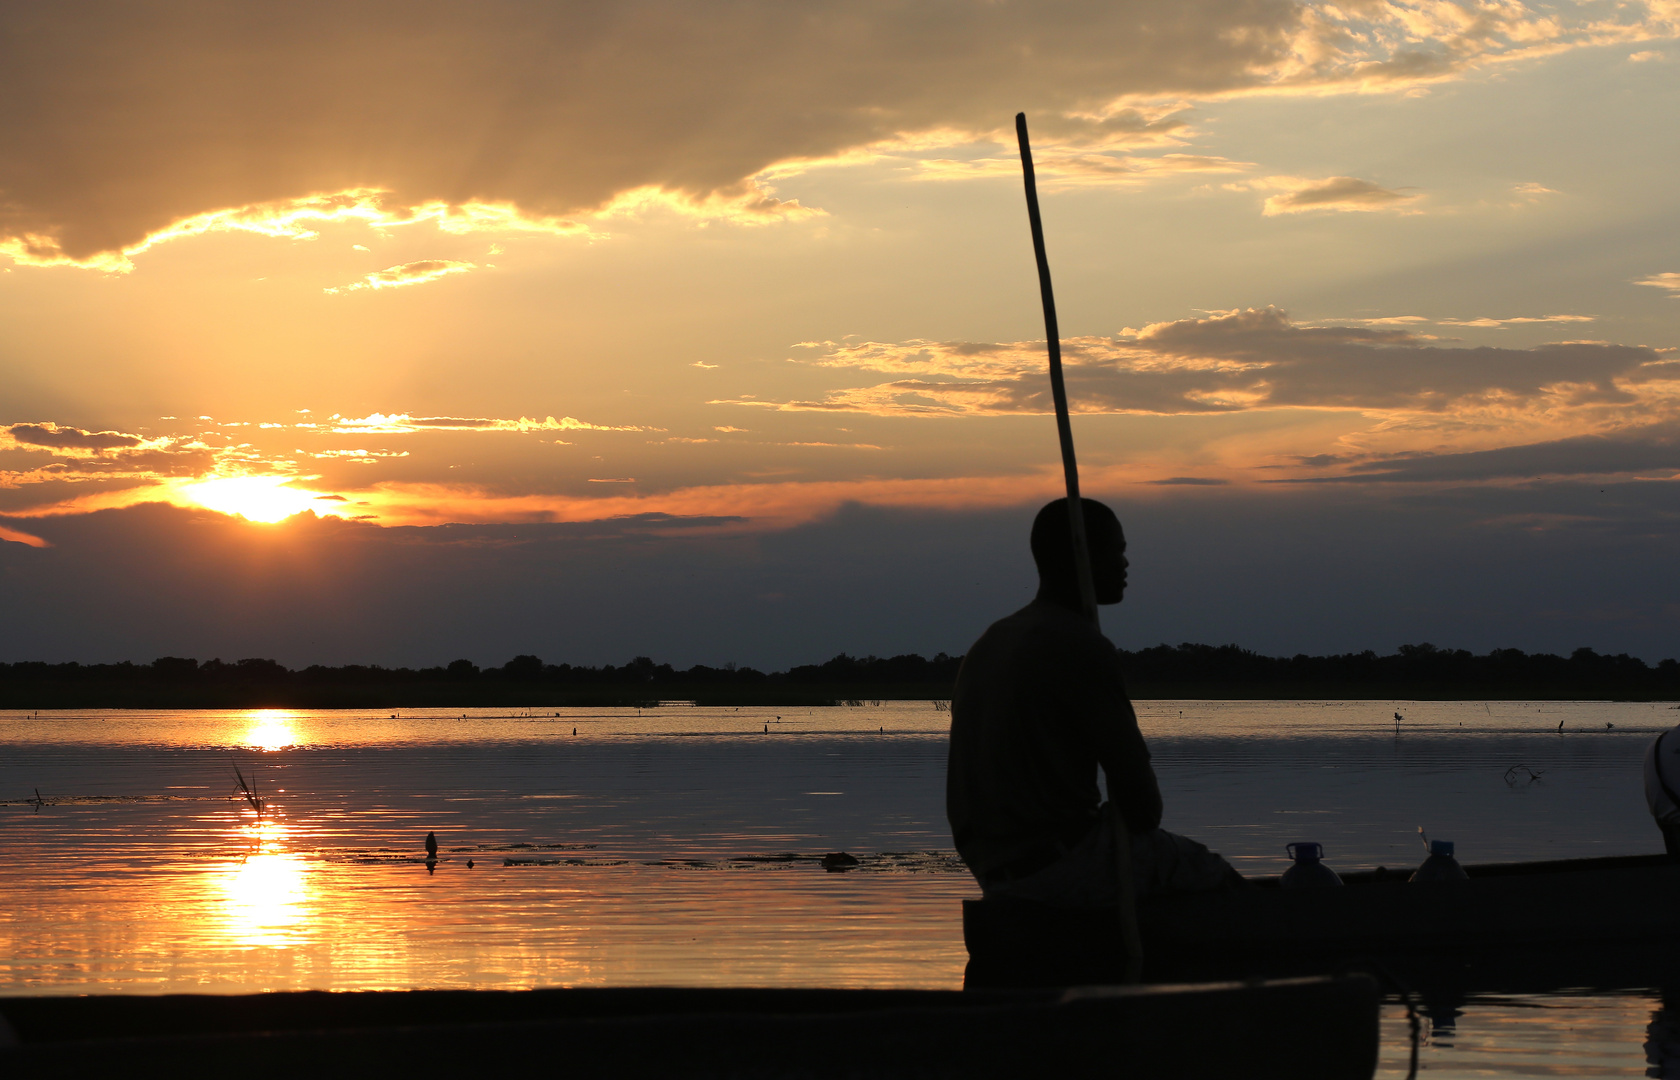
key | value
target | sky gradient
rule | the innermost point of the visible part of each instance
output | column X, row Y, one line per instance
column 711, row 331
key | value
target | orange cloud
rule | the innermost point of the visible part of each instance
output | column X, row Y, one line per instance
column 298, row 218
column 403, row 424
column 770, row 504
column 1241, row 361
column 761, row 505
column 410, row 273
column 51, row 436
column 1490, row 323
column 236, row 462
column 1072, row 169
column 17, row 537
column 1335, row 193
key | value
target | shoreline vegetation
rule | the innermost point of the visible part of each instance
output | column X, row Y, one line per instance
column 1415, row 672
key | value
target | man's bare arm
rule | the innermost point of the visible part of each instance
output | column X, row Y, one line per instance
column 1124, row 756
column 1132, row 784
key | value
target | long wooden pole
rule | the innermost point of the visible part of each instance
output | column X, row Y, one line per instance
column 1129, row 936
column 1058, row 389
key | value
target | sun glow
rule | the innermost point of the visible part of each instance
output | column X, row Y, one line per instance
column 255, row 498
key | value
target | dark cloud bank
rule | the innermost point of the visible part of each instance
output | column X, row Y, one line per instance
column 1545, row 566
column 1649, row 448
column 553, row 107
column 126, row 118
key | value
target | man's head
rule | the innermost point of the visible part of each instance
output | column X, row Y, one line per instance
column 1052, row 549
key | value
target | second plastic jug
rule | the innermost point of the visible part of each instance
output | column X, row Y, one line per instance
column 1308, row 871
column 1440, row 866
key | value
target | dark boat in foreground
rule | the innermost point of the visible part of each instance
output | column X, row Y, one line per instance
column 1605, row 922
column 1137, row 1031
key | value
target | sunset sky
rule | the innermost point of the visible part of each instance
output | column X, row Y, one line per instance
column 710, row 331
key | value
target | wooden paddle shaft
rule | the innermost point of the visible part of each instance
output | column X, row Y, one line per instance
column 1058, row 388
column 1129, row 935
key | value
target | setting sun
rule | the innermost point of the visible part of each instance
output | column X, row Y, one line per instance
column 255, row 498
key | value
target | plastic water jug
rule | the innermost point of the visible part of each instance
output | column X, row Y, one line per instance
column 1308, row 872
column 1440, row 866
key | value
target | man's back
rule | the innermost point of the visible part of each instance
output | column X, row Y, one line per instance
column 1039, row 704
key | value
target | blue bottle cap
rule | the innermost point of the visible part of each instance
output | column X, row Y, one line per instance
column 1440, row 847
column 1305, row 851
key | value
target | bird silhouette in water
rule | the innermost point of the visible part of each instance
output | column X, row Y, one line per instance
column 431, row 845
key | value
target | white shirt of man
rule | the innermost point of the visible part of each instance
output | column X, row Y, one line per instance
column 1662, row 776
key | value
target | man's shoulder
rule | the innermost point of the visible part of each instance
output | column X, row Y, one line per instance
column 1050, row 623
column 1039, row 638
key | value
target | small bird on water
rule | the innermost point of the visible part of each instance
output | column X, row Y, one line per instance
column 431, row 845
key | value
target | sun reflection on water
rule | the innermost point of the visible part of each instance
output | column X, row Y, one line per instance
column 266, row 894
column 270, row 729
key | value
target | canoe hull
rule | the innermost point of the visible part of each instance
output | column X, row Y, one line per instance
column 1585, row 902
column 1130, row 1031
column 1519, row 927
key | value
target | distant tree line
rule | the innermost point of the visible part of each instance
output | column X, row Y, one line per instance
column 179, row 682
column 909, row 668
column 1226, row 671
column 1421, row 671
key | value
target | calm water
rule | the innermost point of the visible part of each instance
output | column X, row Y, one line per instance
column 679, row 845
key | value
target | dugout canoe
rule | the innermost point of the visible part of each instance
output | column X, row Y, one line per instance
column 1604, row 922
column 1187, row 1031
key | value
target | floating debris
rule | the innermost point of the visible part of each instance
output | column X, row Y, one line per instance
column 565, row 862
column 93, row 800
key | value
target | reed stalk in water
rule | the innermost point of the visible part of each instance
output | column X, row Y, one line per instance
column 248, row 792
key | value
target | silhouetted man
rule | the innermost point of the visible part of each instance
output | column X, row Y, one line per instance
column 1039, row 705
